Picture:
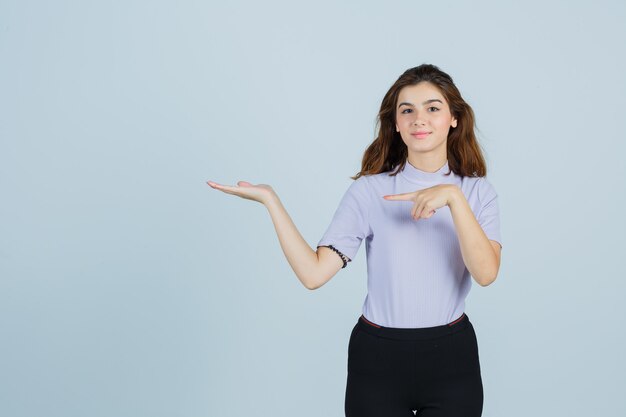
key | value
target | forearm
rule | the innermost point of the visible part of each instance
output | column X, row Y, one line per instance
column 302, row 259
column 478, row 254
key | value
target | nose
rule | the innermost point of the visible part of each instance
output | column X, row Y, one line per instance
column 418, row 121
column 419, row 118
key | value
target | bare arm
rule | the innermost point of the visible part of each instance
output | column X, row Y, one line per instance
column 481, row 255
column 313, row 268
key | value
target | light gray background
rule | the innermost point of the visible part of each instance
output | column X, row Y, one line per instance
column 129, row 287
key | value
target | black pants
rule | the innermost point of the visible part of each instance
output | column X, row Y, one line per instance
column 425, row 372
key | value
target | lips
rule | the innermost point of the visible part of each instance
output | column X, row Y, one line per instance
column 420, row 135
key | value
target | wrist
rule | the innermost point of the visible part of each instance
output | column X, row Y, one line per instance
column 454, row 195
column 271, row 201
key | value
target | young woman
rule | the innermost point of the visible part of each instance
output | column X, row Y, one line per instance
column 430, row 221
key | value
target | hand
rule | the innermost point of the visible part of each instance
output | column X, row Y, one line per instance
column 426, row 201
column 260, row 192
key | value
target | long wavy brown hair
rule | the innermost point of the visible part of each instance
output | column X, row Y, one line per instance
column 465, row 157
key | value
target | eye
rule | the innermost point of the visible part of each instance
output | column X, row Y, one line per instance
column 410, row 110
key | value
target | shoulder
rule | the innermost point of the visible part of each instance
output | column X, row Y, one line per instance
column 362, row 188
column 380, row 180
column 486, row 190
column 360, row 183
column 359, row 188
column 481, row 187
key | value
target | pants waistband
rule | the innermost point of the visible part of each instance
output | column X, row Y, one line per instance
column 419, row 333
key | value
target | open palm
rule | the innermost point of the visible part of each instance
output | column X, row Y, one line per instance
column 259, row 192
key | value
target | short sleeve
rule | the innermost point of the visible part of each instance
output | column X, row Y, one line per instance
column 350, row 224
column 489, row 214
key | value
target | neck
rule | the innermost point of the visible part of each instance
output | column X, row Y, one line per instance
column 427, row 164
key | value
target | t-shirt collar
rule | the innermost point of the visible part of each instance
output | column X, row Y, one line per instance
column 412, row 173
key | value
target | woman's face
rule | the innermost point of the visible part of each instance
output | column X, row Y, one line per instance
column 422, row 108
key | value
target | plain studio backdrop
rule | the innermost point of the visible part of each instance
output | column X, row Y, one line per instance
column 129, row 287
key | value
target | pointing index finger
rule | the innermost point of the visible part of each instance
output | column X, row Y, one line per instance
column 403, row 196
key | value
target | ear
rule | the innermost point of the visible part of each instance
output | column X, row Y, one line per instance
column 397, row 129
column 454, row 122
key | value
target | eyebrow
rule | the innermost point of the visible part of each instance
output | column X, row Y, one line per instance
column 432, row 100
